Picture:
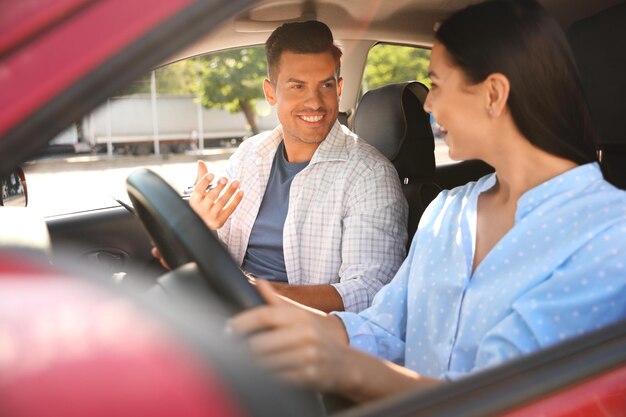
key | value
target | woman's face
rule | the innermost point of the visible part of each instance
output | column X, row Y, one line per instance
column 458, row 107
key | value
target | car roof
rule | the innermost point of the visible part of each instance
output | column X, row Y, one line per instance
column 396, row 21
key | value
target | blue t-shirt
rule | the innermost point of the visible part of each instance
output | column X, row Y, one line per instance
column 264, row 256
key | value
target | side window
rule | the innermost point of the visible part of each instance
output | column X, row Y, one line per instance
column 193, row 104
column 197, row 108
column 388, row 64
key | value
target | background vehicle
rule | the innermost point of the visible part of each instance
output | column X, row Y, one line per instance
column 136, row 124
column 60, row 60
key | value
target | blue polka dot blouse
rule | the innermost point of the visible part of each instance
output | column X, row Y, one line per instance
column 558, row 273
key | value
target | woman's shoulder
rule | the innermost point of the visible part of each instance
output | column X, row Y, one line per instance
column 452, row 201
column 596, row 195
column 470, row 188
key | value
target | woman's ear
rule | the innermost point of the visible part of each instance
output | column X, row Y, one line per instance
column 498, row 88
column 270, row 93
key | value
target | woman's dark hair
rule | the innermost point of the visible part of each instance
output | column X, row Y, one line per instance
column 308, row 37
column 518, row 39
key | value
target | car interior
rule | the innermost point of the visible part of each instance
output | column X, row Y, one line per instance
column 392, row 119
column 118, row 239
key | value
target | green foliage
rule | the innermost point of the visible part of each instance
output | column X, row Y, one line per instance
column 140, row 86
column 178, row 78
column 232, row 78
column 388, row 64
column 224, row 79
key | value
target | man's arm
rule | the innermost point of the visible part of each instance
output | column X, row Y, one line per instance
column 320, row 297
column 373, row 241
column 373, row 246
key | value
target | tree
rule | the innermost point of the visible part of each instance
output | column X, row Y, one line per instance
column 180, row 77
column 388, row 64
column 176, row 78
column 232, row 80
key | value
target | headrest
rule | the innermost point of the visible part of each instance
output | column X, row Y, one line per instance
column 598, row 43
column 392, row 119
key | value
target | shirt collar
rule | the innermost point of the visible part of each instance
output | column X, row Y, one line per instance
column 567, row 182
column 332, row 148
column 267, row 147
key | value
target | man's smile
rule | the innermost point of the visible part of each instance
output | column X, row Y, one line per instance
column 311, row 118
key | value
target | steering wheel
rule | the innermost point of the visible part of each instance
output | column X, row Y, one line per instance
column 182, row 236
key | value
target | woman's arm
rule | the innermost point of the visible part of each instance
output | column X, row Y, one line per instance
column 310, row 348
column 369, row 378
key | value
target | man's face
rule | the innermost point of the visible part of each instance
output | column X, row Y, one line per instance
column 306, row 93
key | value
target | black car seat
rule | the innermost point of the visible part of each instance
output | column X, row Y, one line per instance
column 599, row 45
column 392, row 119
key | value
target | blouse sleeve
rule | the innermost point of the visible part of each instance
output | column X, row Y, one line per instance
column 380, row 330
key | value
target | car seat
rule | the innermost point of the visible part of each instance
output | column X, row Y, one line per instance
column 599, row 43
column 392, row 119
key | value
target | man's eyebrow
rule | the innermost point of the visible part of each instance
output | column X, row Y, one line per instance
column 295, row 80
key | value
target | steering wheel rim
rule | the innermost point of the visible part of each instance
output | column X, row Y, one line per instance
column 182, row 236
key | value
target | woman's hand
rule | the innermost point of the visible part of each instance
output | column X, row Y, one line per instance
column 296, row 343
column 214, row 205
column 310, row 348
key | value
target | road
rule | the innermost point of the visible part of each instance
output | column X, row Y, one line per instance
column 63, row 185
column 66, row 185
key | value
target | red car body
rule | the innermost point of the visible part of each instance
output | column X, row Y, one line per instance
column 59, row 59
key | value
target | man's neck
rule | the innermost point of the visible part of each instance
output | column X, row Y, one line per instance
column 298, row 151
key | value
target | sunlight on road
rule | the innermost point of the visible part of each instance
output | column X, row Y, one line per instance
column 75, row 184
column 60, row 188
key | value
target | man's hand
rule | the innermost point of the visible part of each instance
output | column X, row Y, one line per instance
column 157, row 254
column 214, row 205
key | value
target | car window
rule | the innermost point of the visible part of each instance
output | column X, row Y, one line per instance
column 388, row 64
column 197, row 108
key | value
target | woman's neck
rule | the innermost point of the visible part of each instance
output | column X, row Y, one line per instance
column 521, row 166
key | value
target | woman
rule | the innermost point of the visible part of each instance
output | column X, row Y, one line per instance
column 515, row 262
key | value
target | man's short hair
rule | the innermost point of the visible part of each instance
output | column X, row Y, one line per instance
column 308, row 37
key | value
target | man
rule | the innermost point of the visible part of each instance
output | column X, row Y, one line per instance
column 323, row 215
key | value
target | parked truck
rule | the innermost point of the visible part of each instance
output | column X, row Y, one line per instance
column 134, row 124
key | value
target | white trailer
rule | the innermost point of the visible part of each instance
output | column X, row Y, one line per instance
column 136, row 123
